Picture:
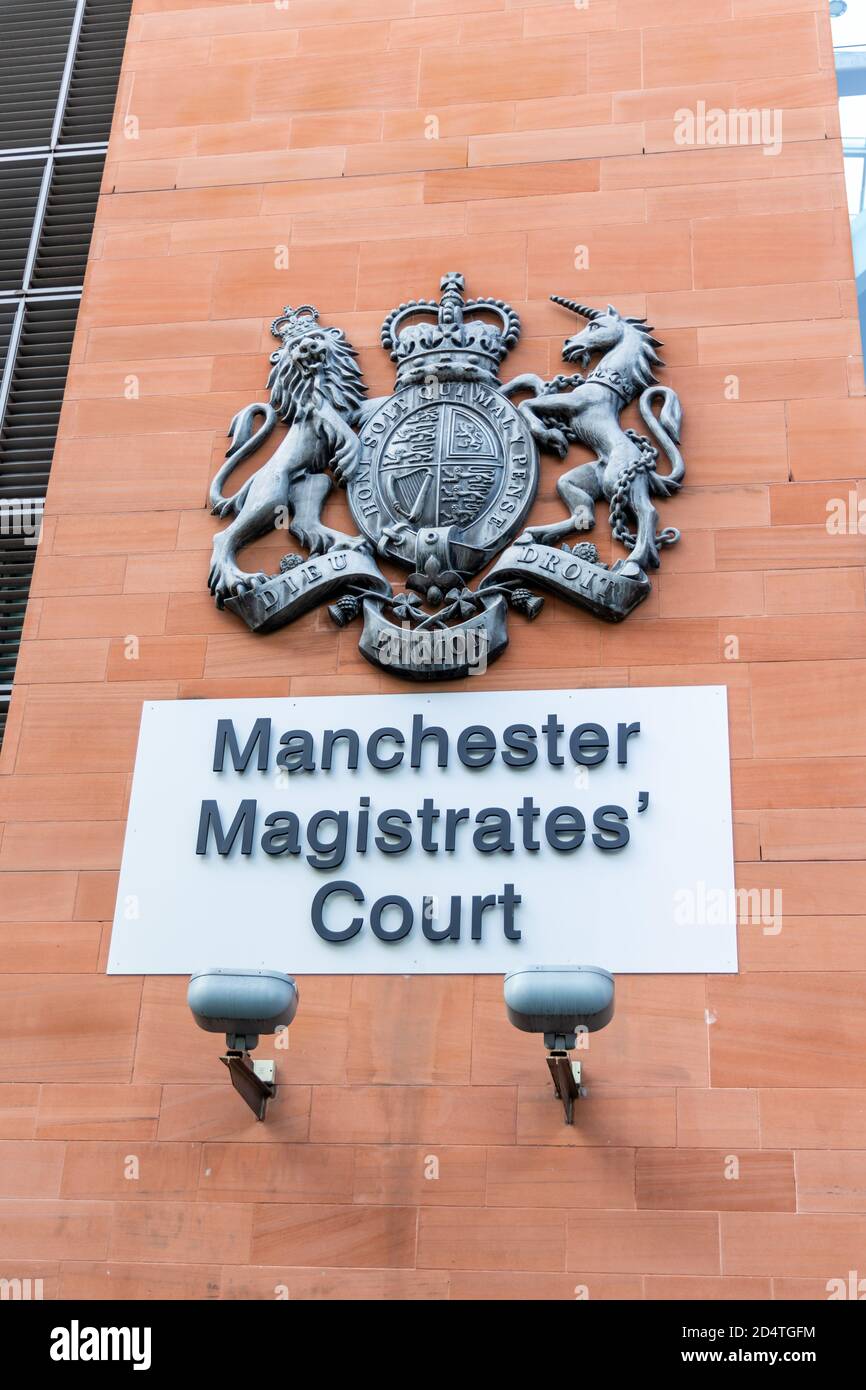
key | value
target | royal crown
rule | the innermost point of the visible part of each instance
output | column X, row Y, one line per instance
column 294, row 323
column 450, row 349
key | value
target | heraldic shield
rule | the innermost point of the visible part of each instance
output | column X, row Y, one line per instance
column 448, row 467
column 441, row 477
column 463, row 462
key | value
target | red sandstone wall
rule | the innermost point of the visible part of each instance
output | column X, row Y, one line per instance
column 258, row 128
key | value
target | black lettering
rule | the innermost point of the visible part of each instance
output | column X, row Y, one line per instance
column 393, row 831
column 226, row 737
column 623, row 733
column 452, row 820
column 210, row 819
column 479, row 907
column 284, row 838
column 420, row 735
column 589, row 744
column 528, row 813
column 508, row 901
column 375, row 760
column 297, row 754
column 428, row 815
column 565, row 828
column 317, row 910
column 476, row 746
column 608, row 820
column 449, row 933
column 332, row 736
column 520, row 738
column 494, row 831
column 552, row 728
column 329, row 853
column 407, row 918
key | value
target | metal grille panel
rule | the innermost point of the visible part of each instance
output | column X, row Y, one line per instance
column 59, row 68
column 16, row 569
column 61, row 257
column 34, row 40
column 20, row 182
column 7, row 320
column 93, row 88
column 38, row 380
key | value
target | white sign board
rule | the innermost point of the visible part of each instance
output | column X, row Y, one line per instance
column 431, row 833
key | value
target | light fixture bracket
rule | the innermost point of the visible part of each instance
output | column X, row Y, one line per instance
column 566, row 1080
column 253, row 1081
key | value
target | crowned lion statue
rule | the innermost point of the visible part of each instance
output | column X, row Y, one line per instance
column 317, row 390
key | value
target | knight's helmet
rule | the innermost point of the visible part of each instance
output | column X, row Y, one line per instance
column 450, row 349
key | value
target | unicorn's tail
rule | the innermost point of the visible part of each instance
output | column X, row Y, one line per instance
column 666, row 428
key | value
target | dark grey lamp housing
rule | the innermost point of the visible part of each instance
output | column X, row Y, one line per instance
column 560, row 1001
column 242, row 1004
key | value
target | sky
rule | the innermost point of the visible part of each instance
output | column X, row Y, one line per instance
column 849, row 30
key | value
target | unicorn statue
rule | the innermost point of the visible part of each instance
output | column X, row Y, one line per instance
column 586, row 410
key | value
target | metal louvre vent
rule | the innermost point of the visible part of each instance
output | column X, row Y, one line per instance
column 34, row 40
column 59, row 66
column 16, row 569
column 20, row 182
column 36, row 388
column 61, row 257
column 7, row 320
column 92, row 91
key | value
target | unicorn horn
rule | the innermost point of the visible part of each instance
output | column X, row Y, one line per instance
column 575, row 307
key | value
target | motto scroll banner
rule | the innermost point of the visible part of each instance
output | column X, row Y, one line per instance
column 609, row 593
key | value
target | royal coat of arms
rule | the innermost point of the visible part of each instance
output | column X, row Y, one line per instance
column 441, row 477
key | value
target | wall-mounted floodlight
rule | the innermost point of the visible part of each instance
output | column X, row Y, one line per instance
column 559, row 1001
column 242, row 1004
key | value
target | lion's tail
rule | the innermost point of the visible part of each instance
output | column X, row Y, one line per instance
column 666, row 428
column 245, row 441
